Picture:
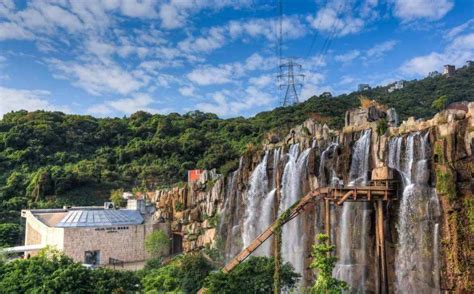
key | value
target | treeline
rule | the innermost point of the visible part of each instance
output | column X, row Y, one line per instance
column 49, row 159
column 52, row 272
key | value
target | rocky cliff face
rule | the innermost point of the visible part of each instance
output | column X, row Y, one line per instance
column 429, row 228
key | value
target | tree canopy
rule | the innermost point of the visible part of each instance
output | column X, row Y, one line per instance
column 50, row 159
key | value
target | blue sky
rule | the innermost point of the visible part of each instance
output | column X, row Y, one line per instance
column 114, row 57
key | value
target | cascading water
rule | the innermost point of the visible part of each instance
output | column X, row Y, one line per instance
column 329, row 179
column 352, row 265
column 230, row 226
column 260, row 204
column 360, row 160
column 256, row 193
column 292, row 235
column 417, row 251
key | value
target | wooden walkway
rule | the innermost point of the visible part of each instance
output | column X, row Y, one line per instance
column 377, row 192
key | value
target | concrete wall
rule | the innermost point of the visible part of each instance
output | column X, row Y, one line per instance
column 123, row 244
column 39, row 233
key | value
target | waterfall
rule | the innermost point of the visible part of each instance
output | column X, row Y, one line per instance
column 230, row 216
column 352, row 265
column 359, row 169
column 417, row 251
column 255, row 198
column 259, row 212
column 323, row 178
column 292, row 247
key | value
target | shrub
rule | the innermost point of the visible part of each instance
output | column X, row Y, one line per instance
column 324, row 264
column 252, row 276
column 157, row 244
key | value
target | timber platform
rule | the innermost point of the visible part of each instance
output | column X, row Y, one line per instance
column 376, row 192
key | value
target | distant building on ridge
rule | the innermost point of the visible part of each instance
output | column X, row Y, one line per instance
column 363, row 87
column 449, row 70
column 396, row 86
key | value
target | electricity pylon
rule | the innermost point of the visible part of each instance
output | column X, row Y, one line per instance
column 292, row 84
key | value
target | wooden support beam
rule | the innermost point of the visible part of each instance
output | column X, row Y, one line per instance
column 327, row 218
column 345, row 197
column 381, row 250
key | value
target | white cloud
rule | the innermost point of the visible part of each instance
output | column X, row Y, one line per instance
column 374, row 52
column 126, row 105
column 18, row 99
column 409, row 10
column 349, row 56
column 346, row 80
column 218, row 36
column 139, row 8
column 380, row 49
column 187, row 91
column 329, row 20
column 223, row 105
column 312, row 85
column 211, row 75
column 171, row 17
column 339, row 18
column 97, row 78
column 457, row 52
column 453, row 32
column 262, row 81
column 175, row 13
column 13, row 31
column 230, row 72
column 213, row 40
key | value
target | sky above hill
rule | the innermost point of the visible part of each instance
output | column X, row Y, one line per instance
column 114, row 57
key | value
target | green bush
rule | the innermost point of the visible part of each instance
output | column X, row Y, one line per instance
column 324, row 264
column 10, row 234
column 184, row 274
column 157, row 244
column 252, row 276
column 52, row 272
column 382, row 126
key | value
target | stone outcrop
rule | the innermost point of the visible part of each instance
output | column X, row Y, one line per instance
column 210, row 212
column 192, row 211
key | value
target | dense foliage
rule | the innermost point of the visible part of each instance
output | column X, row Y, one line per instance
column 157, row 244
column 52, row 272
column 52, row 159
column 252, row 276
column 324, row 264
column 185, row 274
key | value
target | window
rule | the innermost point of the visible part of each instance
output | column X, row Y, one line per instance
column 92, row 257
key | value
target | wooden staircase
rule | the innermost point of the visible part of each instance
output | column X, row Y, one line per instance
column 375, row 192
column 295, row 210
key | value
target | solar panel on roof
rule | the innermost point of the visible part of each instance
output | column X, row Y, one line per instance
column 98, row 218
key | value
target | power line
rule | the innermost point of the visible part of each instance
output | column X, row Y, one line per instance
column 313, row 41
column 327, row 43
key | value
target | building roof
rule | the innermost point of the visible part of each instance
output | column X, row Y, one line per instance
column 100, row 218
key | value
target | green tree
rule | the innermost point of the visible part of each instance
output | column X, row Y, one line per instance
column 184, row 274
column 157, row 244
column 116, row 197
column 440, row 102
column 10, row 234
column 163, row 280
column 324, row 264
column 252, row 276
column 194, row 268
column 52, row 272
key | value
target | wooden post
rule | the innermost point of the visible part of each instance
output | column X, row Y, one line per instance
column 381, row 242
column 327, row 221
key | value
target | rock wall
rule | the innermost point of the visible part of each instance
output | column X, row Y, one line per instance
column 212, row 211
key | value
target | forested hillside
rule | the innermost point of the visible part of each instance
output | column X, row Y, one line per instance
column 49, row 158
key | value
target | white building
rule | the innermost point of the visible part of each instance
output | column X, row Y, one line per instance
column 396, row 86
column 90, row 235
